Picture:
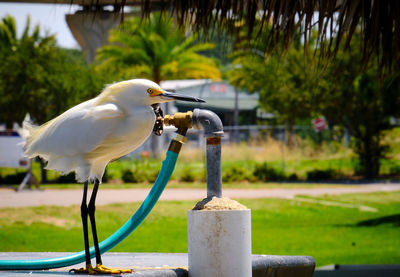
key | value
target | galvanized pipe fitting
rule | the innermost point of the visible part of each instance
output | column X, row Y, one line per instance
column 213, row 131
column 209, row 121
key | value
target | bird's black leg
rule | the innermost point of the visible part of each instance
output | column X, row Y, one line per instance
column 91, row 210
column 84, row 215
column 100, row 268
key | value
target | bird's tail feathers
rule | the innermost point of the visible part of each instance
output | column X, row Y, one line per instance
column 27, row 133
column 31, row 133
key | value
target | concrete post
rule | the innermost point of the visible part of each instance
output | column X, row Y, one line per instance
column 91, row 28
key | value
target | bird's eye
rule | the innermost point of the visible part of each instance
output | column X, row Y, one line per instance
column 150, row 91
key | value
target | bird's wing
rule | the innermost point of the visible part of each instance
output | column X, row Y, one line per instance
column 108, row 110
column 77, row 131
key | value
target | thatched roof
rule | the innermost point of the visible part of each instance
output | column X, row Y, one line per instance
column 379, row 20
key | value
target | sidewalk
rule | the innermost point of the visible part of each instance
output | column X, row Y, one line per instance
column 66, row 197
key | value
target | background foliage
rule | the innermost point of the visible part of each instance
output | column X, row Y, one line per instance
column 39, row 78
column 157, row 50
column 298, row 87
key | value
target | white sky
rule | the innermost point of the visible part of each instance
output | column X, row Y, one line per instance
column 51, row 18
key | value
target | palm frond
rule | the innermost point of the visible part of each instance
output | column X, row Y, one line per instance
column 335, row 21
column 8, row 31
column 25, row 33
column 155, row 49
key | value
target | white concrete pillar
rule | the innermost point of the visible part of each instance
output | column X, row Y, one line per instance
column 219, row 242
column 91, row 29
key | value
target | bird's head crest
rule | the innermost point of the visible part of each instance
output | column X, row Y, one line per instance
column 141, row 92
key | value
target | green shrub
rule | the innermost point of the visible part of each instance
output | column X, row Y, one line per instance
column 140, row 172
column 106, row 176
column 293, row 177
column 234, row 174
column 394, row 170
column 135, row 175
column 128, row 177
column 152, row 174
column 203, row 175
column 66, row 179
column 263, row 172
column 319, row 175
column 187, row 175
column 149, row 170
column 12, row 179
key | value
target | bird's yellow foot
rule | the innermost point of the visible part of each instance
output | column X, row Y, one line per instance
column 84, row 270
column 100, row 269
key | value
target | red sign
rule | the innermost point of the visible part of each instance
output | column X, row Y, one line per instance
column 218, row 88
column 319, row 124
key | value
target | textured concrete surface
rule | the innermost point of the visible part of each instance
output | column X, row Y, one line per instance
column 143, row 264
column 165, row 264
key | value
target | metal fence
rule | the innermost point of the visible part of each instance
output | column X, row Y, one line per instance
column 245, row 133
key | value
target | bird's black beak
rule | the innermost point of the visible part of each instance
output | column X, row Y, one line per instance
column 176, row 96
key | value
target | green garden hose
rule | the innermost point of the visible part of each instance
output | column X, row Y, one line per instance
column 167, row 168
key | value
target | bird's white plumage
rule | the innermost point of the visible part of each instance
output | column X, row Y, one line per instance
column 88, row 136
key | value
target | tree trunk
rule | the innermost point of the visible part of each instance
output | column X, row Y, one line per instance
column 291, row 139
column 236, row 118
column 371, row 159
column 157, row 74
column 369, row 152
column 331, row 124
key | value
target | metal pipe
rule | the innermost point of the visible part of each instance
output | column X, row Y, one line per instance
column 214, row 176
column 213, row 131
column 209, row 121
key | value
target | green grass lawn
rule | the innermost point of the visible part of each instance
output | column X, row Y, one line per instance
column 330, row 233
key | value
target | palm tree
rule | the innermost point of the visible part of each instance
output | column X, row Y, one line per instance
column 22, row 77
column 155, row 49
column 23, row 72
column 8, row 32
column 37, row 77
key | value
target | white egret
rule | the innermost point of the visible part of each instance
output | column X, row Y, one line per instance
column 85, row 138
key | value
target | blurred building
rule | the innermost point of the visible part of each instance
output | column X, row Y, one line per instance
column 223, row 99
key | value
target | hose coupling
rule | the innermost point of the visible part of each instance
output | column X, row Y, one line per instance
column 182, row 121
column 179, row 120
